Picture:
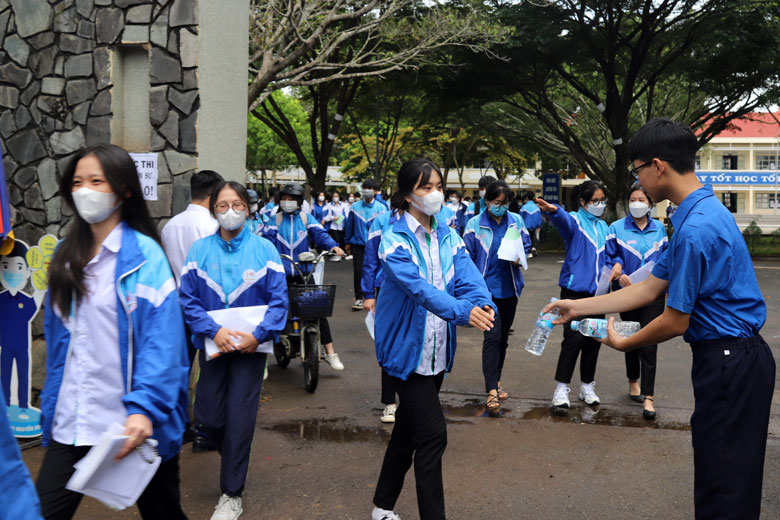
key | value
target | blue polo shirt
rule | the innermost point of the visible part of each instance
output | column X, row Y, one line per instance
column 498, row 274
column 710, row 273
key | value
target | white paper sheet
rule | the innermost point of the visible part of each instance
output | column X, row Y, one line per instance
column 603, row 285
column 319, row 273
column 243, row 319
column 370, row 323
column 512, row 248
column 118, row 484
column 642, row 273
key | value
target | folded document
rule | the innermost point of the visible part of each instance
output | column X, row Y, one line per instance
column 244, row 319
column 118, row 484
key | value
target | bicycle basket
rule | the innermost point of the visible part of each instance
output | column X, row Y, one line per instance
column 309, row 301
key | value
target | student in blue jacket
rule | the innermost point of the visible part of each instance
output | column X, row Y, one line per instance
column 715, row 302
column 478, row 206
column 532, row 218
column 503, row 278
column 318, row 207
column 431, row 285
column 290, row 232
column 115, row 343
column 358, row 222
column 232, row 268
column 371, row 282
column 584, row 234
column 632, row 242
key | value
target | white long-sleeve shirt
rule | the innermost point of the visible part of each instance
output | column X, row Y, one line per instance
column 182, row 231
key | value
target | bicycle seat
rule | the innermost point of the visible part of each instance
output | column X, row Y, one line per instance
column 306, row 257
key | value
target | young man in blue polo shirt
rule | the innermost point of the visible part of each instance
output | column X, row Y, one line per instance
column 714, row 301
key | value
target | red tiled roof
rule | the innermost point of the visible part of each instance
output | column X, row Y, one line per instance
column 757, row 124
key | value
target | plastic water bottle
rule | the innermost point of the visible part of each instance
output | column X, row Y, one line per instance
column 542, row 329
column 597, row 328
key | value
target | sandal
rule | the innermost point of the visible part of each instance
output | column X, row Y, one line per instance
column 502, row 394
column 493, row 404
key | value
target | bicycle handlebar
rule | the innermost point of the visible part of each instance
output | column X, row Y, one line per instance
column 296, row 265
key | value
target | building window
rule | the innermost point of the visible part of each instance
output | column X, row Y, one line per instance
column 697, row 162
column 766, row 201
column 766, row 162
column 730, row 201
column 730, row 162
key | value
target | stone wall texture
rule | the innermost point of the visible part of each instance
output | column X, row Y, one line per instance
column 56, row 88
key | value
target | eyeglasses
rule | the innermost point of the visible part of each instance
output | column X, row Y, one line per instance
column 635, row 171
column 222, row 207
column 596, row 201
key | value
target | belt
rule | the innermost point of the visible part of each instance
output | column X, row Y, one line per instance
column 728, row 343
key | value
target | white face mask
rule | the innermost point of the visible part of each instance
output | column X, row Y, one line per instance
column 454, row 201
column 94, row 206
column 368, row 193
column 253, row 208
column 482, row 194
column 638, row 209
column 351, row 200
column 335, row 200
column 429, row 204
column 231, row 219
column 321, row 198
column 596, row 209
column 289, row 206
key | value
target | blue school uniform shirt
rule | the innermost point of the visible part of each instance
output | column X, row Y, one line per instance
column 710, row 272
column 498, row 276
column 632, row 247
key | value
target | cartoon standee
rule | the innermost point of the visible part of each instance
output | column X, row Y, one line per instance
column 19, row 264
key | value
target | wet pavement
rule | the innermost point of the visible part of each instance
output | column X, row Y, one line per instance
column 318, row 455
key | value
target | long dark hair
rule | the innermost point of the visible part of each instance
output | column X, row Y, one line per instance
column 66, row 272
column 413, row 173
column 585, row 192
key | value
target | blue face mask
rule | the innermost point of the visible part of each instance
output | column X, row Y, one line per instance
column 499, row 211
column 14, row 280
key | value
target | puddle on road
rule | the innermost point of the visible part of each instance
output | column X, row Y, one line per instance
column 330, row 430
column 342, row 431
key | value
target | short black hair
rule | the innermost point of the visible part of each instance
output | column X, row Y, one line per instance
column 638, row 187
column 203, row 182
column 495, row 189
column 667, row 140
column 484, row 181
column 19, row 249
column 370, row 184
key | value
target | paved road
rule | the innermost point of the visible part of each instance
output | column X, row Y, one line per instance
column 318, row 456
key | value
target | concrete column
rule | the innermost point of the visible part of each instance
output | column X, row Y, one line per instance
column 222, row 80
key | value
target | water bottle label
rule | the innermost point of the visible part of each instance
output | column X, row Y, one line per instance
column 545, row 321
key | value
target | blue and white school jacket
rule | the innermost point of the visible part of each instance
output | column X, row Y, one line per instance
column 632, row 247
column 373, row 276
column 359, row 221
column 290, row 234
column 478, row 238
column 447, row 216
column 152, row 344
column 585, row 239
column 407, row 297
column 532, row 215
column 243, row 272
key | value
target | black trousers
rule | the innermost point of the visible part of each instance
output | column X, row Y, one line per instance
column 228, row 395
column 733, row 382
column 338, row 236
column 388, row 393
column 159, row 501
column 496, row 340
column 419, row 436
column 575, row 343
column 640, row 362
column 357, row 268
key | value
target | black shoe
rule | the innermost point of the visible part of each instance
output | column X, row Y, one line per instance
column 201, row 444
column 637, row 398
column 647, row 414
column 189, row 435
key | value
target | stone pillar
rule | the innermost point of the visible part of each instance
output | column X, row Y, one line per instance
column 223, row 84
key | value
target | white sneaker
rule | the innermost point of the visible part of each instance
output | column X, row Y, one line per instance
column 383, row 514
column 587, row 394
column 334, row 361
column 335, row 259
column 228, row 508
column 388, row 415
column 358, row 305
column 561, row 397
column 348, row 257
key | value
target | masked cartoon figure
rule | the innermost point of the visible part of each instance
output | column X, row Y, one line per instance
column 17, row 309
